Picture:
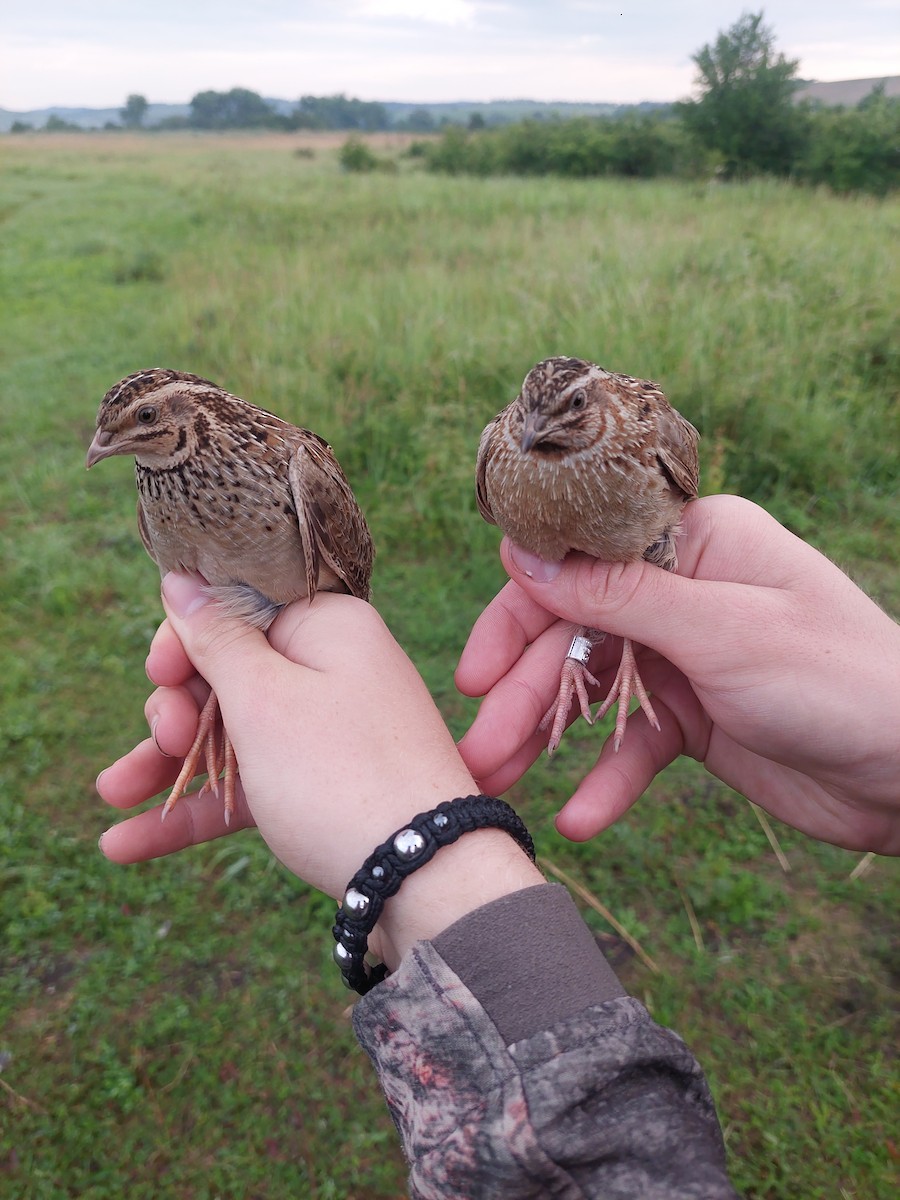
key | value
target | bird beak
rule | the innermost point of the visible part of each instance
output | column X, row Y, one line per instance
column 531, row 430
column 100, row 447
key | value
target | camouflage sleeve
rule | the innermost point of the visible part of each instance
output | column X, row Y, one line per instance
column 496, row 1095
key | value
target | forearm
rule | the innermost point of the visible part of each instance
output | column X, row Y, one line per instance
column 510, row 1054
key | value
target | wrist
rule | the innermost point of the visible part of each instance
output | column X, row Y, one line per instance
column 480, row 867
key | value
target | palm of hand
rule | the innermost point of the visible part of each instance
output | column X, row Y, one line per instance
column 719, row 699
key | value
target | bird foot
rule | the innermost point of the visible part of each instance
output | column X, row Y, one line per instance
column 214, row 745
column 627, row 683
column 573, row 680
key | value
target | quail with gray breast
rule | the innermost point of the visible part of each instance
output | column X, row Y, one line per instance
column 590, row 460
column 259, row 507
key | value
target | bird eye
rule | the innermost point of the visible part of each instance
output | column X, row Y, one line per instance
column 147, row 415
column 579, row 399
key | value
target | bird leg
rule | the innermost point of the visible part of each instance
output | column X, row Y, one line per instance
column 573, row 679
column 627, row 683
column 217, row 752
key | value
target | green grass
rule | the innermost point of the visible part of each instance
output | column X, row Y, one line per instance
column 178, row 1026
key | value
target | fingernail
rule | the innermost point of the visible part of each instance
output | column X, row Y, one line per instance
column 153, row 725
column 184, row 594
column 535, row 568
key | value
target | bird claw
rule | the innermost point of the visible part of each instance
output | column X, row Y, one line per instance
column 219, row 755
column 231, row 770
column 573, row 679
column 626, row 684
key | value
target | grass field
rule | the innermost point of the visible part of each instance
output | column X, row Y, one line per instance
column 177, row 1029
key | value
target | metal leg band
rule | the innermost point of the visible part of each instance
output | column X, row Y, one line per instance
column 580, row 650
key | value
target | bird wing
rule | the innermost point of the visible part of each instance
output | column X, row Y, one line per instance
column 144, row 531
column 485, row 451
column 333, row 530
column 677, row 451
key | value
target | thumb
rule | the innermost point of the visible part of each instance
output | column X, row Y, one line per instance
column 675, row 615
column 225, row 650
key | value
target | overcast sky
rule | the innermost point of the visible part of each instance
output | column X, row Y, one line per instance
column 94, row 53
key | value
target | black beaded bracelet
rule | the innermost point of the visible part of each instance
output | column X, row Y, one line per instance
column 387, row 866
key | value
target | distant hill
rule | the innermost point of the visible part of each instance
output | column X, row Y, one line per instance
column 496, row 112
column 88, row 118
column 458, row 112
column 847, row 92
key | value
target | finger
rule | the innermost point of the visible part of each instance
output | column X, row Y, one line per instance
column 137, row 776
column 673, row 614
column 167, row 662
column 511, row 621
column 737, row 564
column 193, row 820
column 224, row 650
column 172, row 716
column 517, row 614
column 510, row 772
column 621, row 777
column 732, row 539
column 502, row 738
column 511, row 711
column 315, row 634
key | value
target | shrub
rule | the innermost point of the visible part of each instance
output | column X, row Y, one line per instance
column 855, row 149
column 583, row 148
column 355, row 155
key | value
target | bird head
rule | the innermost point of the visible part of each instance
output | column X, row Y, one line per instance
column 152, row 415
column 561, row 406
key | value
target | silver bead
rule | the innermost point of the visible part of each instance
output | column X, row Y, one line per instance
column 341, row 955
column 378, row 872
column 355, row 903
column 409, row 844
column 439, row 820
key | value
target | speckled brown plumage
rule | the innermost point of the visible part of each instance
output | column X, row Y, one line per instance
column 259, row 507
column 586, row 459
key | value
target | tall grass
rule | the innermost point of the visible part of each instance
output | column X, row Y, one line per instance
column 179, row 1021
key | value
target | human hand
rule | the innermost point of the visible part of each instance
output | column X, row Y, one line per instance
column 338, row 744
column 766, row 663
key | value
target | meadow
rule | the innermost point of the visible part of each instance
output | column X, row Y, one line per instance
column 178, row 1028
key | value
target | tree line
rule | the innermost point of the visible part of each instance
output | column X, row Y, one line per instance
column 745, row 122
column 241, row 108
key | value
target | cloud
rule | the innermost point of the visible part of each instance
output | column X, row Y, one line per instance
column 96, row 52
column 437, row 12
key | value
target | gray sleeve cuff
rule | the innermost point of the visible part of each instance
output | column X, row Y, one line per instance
column 529, row 959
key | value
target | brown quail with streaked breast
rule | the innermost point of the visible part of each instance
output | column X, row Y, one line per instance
column 586, row 459
column 258, row 507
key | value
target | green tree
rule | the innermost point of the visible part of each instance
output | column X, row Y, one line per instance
column 420, row 120
column 134, row 111
column 237, row 109
column 339, row 112
column 746, row 111
column 55, row 124
column 855, row 149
